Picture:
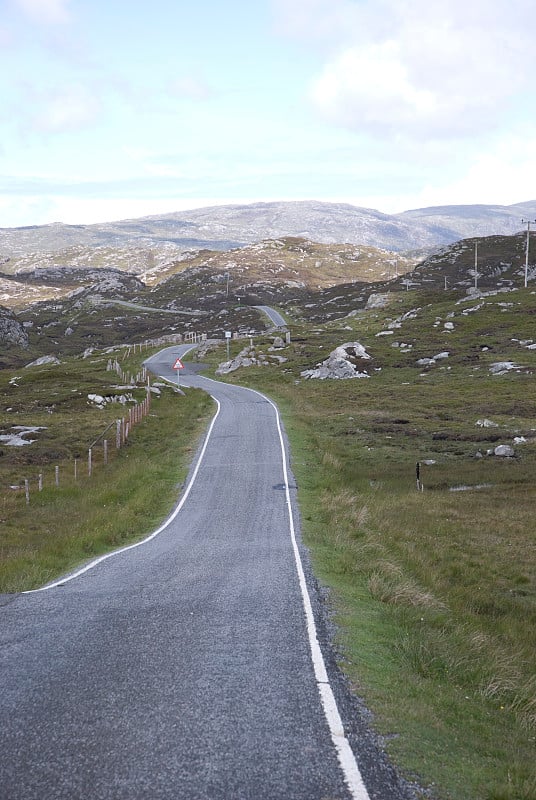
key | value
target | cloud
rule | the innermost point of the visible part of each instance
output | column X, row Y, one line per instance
column 69, row 109
column 415, row 68
column 191, row 87
column 47, row 11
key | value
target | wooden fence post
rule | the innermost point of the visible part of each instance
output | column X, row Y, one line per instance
column 27, row 491
column 105, row 450
column 57, row 475
column 89, row 464
column 40, row 482
column 117, row 434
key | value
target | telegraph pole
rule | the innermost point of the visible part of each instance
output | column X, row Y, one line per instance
column 527, row 222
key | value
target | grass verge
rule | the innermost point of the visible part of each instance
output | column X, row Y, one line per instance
column 434, row 592
column 121, row 502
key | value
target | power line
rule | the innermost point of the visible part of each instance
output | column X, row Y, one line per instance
column 528, row 223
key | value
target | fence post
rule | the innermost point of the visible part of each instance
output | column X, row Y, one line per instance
column 27, row 491
column 57, row 475
column 40, row 482
column 105, row 449
column 117, row 434
column 76, row 469
column 89, row 462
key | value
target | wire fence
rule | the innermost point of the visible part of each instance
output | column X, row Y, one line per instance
column 114, row 436
column 98, row 454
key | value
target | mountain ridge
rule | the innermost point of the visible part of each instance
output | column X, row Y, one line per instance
column 227, row 227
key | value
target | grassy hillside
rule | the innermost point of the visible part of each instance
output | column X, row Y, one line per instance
column 86, row 514
column 434, row 591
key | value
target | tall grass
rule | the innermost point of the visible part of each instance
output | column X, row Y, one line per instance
column 434, row 592
column 122, row 501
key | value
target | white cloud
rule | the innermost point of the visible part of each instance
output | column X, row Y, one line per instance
column 321, row 20
column 48, row 11
column 504, row 173
column 68, row 109
column 74, row 210
column 416, row 68
column 192, row 87
column 370, row 88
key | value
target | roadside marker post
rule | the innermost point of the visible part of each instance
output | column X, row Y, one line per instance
column 178, row 365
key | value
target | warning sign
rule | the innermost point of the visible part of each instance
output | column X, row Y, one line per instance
column 178, row 364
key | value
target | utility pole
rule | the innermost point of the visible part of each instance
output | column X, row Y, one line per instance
column 527, row 222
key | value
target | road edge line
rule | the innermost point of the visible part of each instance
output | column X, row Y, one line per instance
column 345, row 754
column 168, row 521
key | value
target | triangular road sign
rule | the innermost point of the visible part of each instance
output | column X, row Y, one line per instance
column 178, row 364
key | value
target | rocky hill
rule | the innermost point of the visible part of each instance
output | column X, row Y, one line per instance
column 290, row 261
column 500, row 268
column 138, row 244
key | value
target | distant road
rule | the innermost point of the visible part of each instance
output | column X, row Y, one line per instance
column 188, row 667
column 138, row 307
column 273, row 315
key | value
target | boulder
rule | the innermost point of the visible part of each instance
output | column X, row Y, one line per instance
column 246, row 358
column 501, row 367
column 39, row 362
column 377, row 300
column 504, row 451
column 350, row 360
column 11, row 330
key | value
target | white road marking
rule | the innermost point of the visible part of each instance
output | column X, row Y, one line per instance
column 345, row 754
column 347, row 761
column 153, row 535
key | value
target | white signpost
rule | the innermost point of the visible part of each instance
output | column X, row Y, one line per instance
column 178, row 365
column 228, row 335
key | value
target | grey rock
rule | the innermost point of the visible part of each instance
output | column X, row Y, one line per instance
column 11, row 330
column 39, row 362
column 350, row 360
column 504, row 451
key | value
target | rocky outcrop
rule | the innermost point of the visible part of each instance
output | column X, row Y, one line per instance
column 249, row 357
column 43, row 361
column 350, row 360
column 11, row 330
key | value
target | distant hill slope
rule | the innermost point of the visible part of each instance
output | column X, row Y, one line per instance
column 461, row 222
column 501, row 268
column 231, row 226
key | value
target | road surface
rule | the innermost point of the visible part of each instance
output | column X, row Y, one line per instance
column 274, row 316
column 181, row 668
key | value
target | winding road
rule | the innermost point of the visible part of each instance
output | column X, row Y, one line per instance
column 194, row 665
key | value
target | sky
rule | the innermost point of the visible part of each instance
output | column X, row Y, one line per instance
column 114, row 109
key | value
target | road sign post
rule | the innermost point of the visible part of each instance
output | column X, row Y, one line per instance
column 178, row 365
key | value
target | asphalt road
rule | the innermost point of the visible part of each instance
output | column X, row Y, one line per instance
column 274, row 316
column 181, row 668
